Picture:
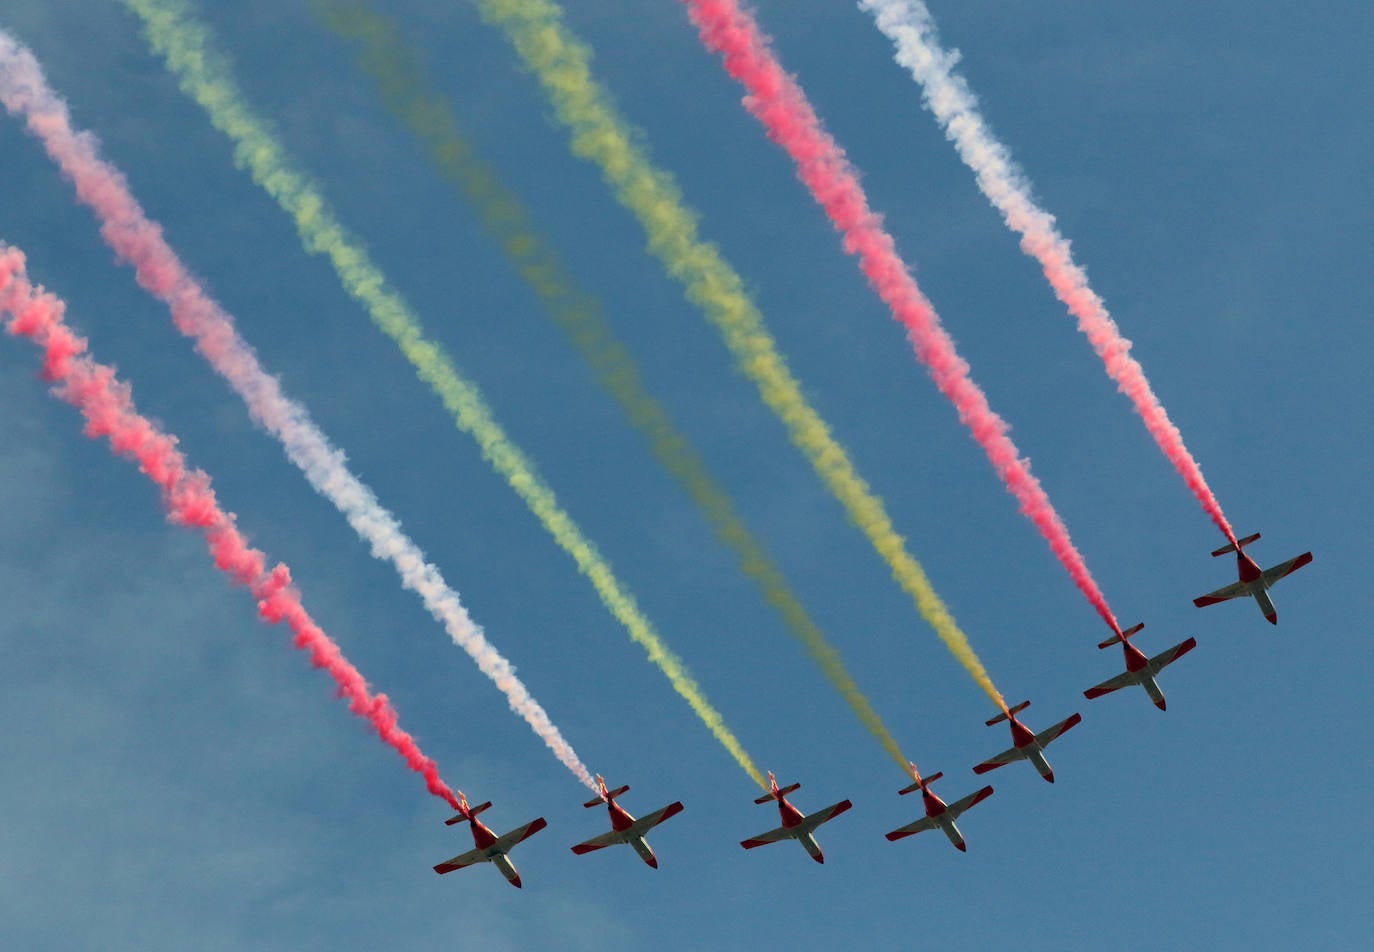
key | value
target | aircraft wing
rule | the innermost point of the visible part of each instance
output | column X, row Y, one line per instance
column 1285, row 568
column 1166, row 658
column 772, row 836
column 911, row 829
column 826, row 815
column 599, row 842
column 1123, row 680
column 651, row 820
column 1001, row 760
column 1051, row 734
column 973, row 799
column 470, row 858
column 503, row 844
column 1234, row 590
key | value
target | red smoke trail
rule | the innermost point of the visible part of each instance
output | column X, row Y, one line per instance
column 109, row 409
column 778, row 102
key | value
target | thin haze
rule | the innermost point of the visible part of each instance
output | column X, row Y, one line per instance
column 176, row 777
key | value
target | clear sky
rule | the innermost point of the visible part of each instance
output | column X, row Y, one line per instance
column 175, row 775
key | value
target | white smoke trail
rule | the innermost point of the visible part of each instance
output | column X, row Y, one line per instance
column 909, row 24
column 138, row 241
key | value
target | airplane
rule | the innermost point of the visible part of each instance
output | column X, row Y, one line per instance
column 1139, row 669
column 490, row 847
column 624, row 827
column 1029, row 745
column 1254, row 581
column 939, row 815
column 794, row 825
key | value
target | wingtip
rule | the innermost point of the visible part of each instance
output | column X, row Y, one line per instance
column 961, row 847
column 819, row 857
column 1049, row 777
column 1162, row 704
column 1273, row 619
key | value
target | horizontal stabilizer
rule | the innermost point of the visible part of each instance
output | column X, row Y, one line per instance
column 608, row 796
column 473, row 811
column 1124, row 636
column 1003, row 716
column 1240, row 544
column 924, row 782
column 790, row 788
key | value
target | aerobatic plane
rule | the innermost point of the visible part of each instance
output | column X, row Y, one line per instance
column 1029, row 745
column 1139, row 669
column 624, row 827
column 1254, row 581
column 794, row 825
column 490, row 848
column 939, row 815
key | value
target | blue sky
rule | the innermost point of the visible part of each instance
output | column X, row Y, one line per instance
column 175, row 774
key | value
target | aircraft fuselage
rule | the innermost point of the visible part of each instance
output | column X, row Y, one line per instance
column 938, row 811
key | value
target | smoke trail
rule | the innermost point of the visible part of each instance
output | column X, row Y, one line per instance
column 139, row 242
column 562, row 64
column 407, row 96
column 108, row 407
column 777, row 101
column 206, row 78
column 909, row 25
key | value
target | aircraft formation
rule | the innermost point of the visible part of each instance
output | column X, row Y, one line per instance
column 1027, row 745
column 138, row 241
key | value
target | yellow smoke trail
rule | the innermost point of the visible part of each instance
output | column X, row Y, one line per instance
column 562, row 64
column 396, row 71
column 205, row 76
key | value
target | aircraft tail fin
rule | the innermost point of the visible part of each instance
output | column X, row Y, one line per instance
column 606, row 796
column 921, row 783
column 472, row 812
column 778, row 794
column 1124, row 636
column 1240, row 544
column 1005, row 715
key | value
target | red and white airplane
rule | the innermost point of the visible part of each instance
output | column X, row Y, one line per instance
column 1254, row 581
column 1029, row 745
column 1139, row 669
column 939, row 815
column 624, row 827
column 490, row 848
column 794, row 825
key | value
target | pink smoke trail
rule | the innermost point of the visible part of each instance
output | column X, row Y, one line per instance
column 137, row 240
column 777, row 101
column 108, row 406
column 909, row 25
